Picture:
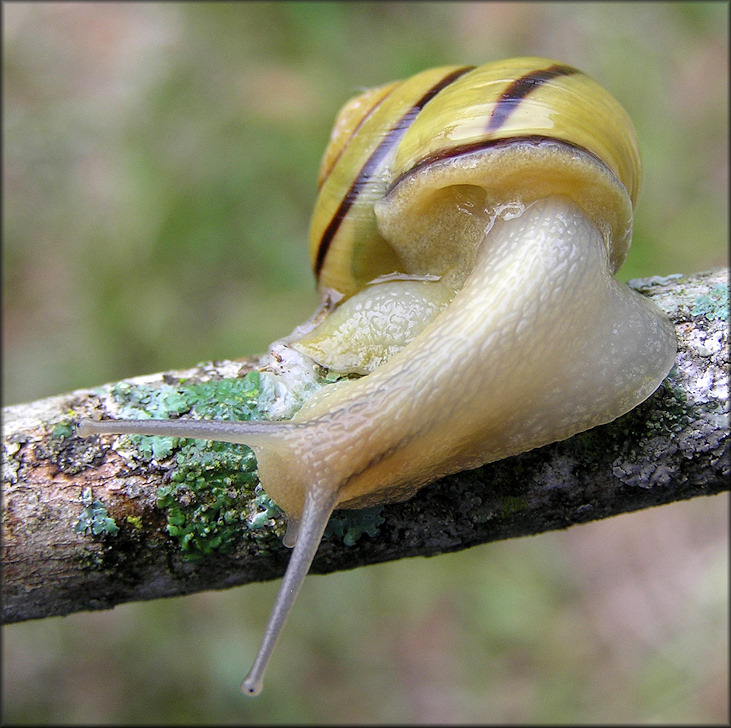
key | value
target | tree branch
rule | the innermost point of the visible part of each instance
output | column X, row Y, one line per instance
column 88, row 524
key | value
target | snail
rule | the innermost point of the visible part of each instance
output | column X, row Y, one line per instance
column 468, row 225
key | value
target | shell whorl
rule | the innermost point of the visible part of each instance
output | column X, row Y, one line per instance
column 393, row 133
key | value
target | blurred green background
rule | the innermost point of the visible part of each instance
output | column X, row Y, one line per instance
column 159, row 166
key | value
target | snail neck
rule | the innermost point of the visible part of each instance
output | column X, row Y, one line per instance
column 540, row 343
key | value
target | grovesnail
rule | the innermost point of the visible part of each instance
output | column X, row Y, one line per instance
column 467, row 229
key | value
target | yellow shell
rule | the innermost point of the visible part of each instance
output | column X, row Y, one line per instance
column 386, row 138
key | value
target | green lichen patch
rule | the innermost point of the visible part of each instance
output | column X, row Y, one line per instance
column 511, row 505
column 64, row 429
column 352, row 524
column 210, row 498
column 714, row 305
column 264, row 510
column 135, row 522
column 94, row 518
column 207, row 499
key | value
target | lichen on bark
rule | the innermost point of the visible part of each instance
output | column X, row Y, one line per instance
column 175, row 533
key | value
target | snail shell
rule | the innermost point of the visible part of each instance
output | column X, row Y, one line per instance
column 465, row 236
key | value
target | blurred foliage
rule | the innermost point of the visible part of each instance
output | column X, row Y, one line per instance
column 159, row 166
column 160, row 160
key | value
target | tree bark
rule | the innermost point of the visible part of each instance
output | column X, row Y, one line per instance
column 84, row 528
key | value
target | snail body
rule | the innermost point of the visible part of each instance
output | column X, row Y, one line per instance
column 465, row 237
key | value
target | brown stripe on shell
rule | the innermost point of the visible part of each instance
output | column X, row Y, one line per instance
column 478, row 146
column 512, row 96
column 352, row 134
column 385, row 145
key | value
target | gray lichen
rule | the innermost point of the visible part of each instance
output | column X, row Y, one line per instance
column 94, row 519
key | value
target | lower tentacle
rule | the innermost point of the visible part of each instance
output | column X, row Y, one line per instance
column 319, row 504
